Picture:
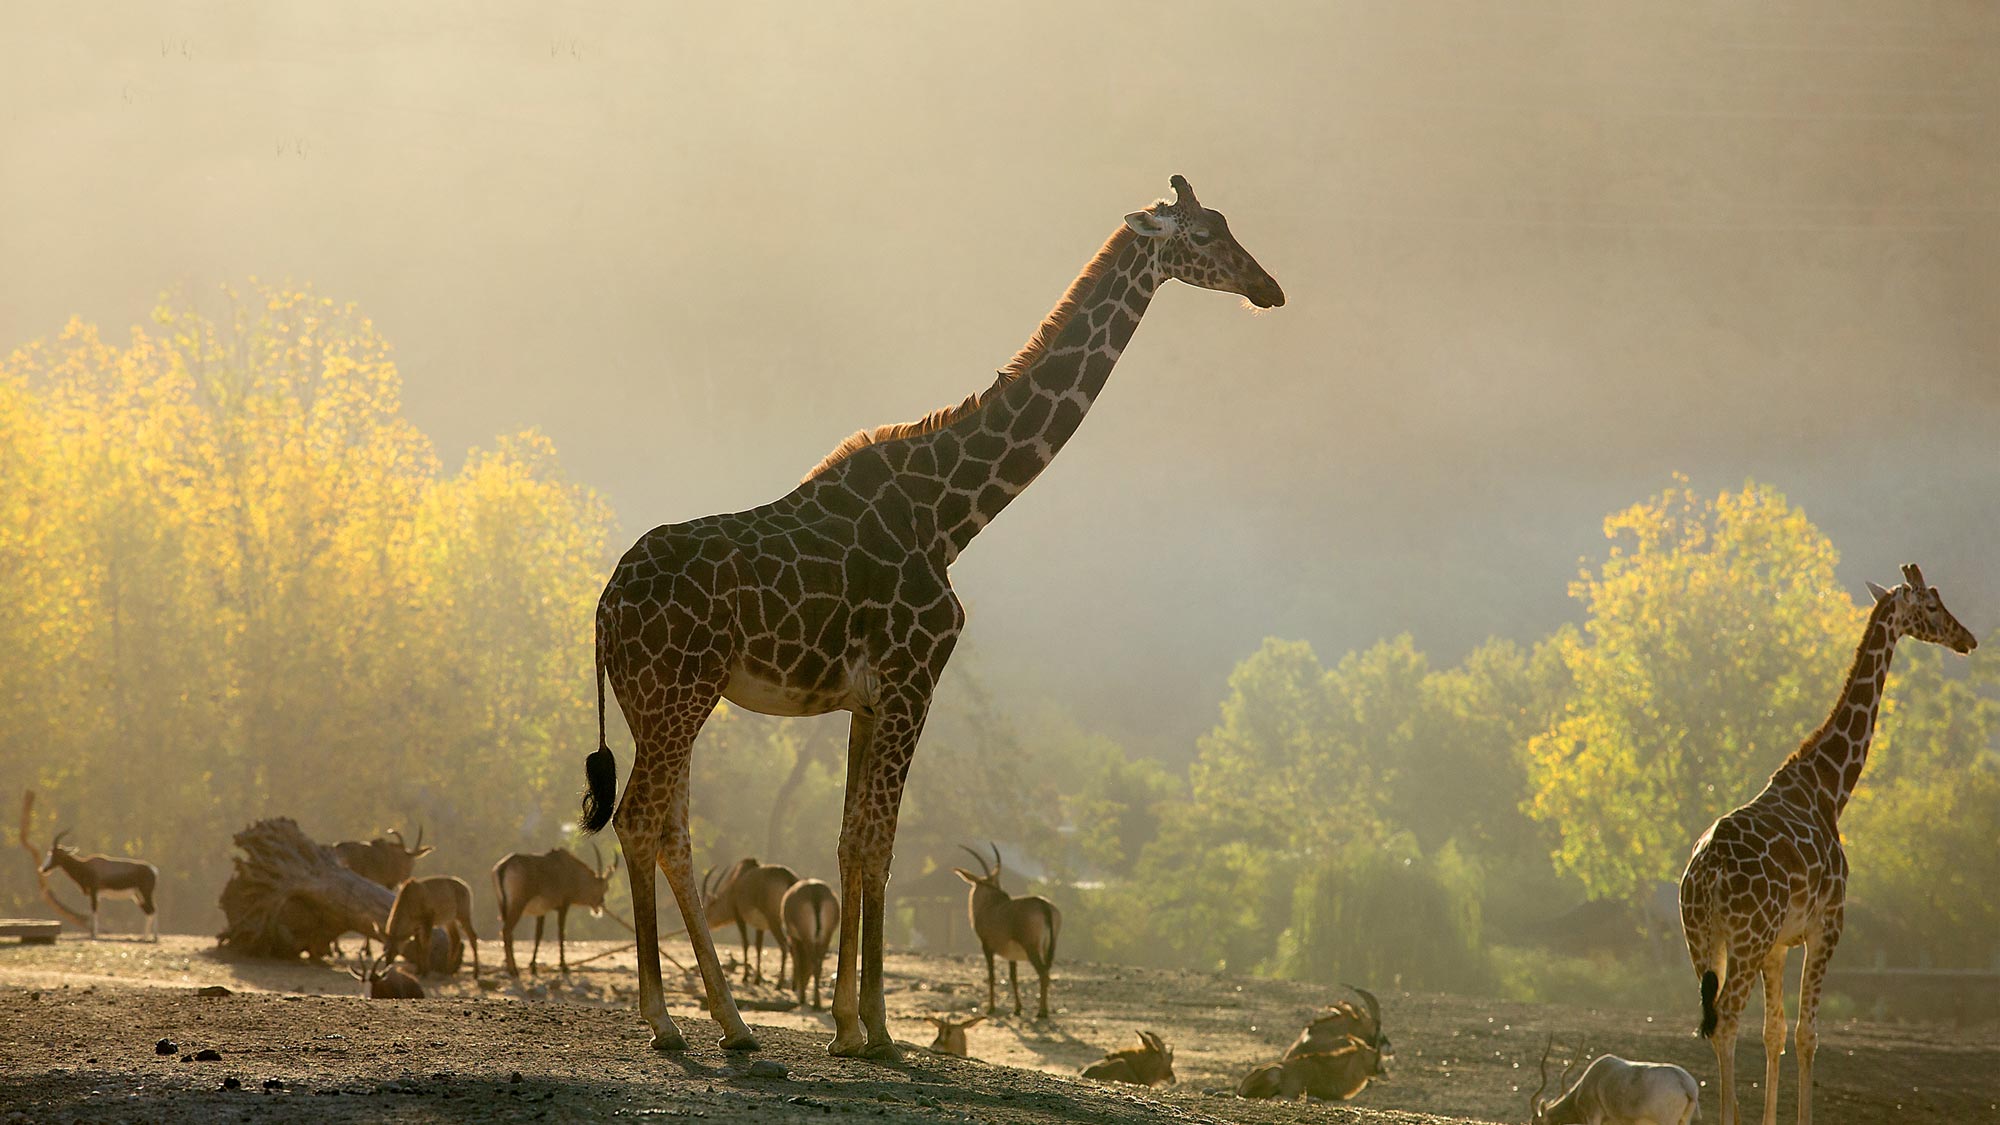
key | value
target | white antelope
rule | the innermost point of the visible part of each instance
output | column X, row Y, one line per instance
column 1019, row 929
column 434, row 900
column 811, row 914
column 101, row 876
column 537, row 884
column 1613, row 1091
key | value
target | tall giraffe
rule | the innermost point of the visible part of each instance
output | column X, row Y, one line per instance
column 836, row 597
column 1772, row 874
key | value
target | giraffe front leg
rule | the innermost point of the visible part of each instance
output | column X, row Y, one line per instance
column 1773, row 972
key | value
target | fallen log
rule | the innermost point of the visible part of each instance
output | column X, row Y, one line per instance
column 290, row 895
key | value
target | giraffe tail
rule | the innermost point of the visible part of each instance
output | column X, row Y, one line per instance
column 600, row 769
column 1710, row 985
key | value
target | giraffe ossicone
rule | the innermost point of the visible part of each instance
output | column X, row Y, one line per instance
column 836, row 596
column 1772, row 874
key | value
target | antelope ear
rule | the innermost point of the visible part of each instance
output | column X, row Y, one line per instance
column 973, row 1020
column 1879, row 592
column 1148, row 225
column 935, row 1022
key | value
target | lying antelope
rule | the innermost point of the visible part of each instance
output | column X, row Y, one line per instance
column 434, row 900
column 950, row 1034
column 1148, row 1064
column 1331, row 1028
column 101, row 876
column 1336, row 1074
column 810, row 912
column 1613, row 1091
column 1019, row 929
column 382, row 860
column 388, row 982
column 536, row 884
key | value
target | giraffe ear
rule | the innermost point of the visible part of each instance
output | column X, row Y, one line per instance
column 1148, row 225
column 1878, row 591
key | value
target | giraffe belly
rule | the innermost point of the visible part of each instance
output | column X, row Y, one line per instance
column 769, row 696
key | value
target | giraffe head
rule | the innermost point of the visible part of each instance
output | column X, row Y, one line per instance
column 1917, row 610
column 1195, row 246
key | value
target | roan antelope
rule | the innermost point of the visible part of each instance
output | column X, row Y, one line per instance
column 537, row 884
column 950, row 1034
column 1019, row 929
column 1330, row 1029
column 382, row 860
column 1149, row 1064
column 1336, row 1075
column 434, row 900
column 101, row 876
column 810, row 912
column 1613, row 1091
column 388, row 982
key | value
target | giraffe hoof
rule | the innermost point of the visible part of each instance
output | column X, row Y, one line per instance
column 847, row 1048
column 669, row 1041
column 885, row 1051
column 743, row 1042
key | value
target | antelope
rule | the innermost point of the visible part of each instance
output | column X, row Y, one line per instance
column 720, row 906
column 810, row 912
column 1337, row 1074
column 434, row 900
column 950, row 1034
column 1613, row 1091
column 760, row 897
column 1330, row 1029
column 101, row 876
column 1148, row 1064
column 388, row 982
column 382, row 860
column 1019, row 929
column 537, row 884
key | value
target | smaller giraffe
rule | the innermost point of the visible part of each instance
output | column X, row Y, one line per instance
column 1771, row 874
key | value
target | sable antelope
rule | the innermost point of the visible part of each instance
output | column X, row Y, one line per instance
column 760, row 897
column 811, row 915
column 388, row 982
column 434, row 900
column 382, row 860
column 1613, row 1091
column 537, row 884
column 1336, row 1075
column 950, row 1034
column 1019, row 929
column 1148, row 1064
column 101, row 876
column 735, row 898
column 1330, row 1029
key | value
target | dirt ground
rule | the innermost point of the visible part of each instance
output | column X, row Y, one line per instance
column 79, row 1022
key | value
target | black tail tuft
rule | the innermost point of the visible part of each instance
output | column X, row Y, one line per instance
column 600, row 788
column 1709, row 986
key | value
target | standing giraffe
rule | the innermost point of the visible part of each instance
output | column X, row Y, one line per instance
column 836, row 597
column 1772, row 874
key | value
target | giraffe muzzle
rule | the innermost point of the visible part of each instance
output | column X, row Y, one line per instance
column 1266, row 296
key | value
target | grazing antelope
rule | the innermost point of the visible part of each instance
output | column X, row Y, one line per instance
column 1330, row 1029
column 388, row 982
column 1148, row 1064
column 1336, row 1075
column 101, row 876
column 1613, row 1091
column 1019, row 929
column 810, row 912
column 951, row 1034
column 382, row 860
column 720, row 905
column 537, row 884
column 434, row 900
column 760, row 897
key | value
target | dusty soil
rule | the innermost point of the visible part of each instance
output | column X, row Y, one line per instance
column 79, row 1021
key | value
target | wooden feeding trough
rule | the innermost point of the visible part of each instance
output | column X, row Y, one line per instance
column 31, row 931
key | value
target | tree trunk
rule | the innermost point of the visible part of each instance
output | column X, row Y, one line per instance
column 75, row 917
column 291, row 896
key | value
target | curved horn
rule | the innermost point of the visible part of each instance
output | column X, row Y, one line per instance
column 397, row 833
column 597, row 860
column 707, row 880
column 1183, row 194
column 1535, row 1105
column 983, row 869
column 1374, row 1012
column 1913, row 576
column 996, row 858
column 59, row 836
column 420, row 839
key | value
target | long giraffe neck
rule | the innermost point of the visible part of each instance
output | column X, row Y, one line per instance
column 1827, row 765
column 1001, row 442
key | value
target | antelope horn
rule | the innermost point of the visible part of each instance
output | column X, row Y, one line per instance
column 597, row 860
column 983, row 869
column 996, row 858
column 1535, row 1106
column 398, row 834
column 1374, row 1011
column 58, row 839
column 420, row 839
column 1183, row 193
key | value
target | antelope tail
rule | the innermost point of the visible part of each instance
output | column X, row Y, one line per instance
column 600, row 769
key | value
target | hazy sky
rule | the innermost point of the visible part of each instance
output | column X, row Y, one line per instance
column 1537, row 257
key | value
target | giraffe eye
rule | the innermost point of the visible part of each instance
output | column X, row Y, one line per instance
column 1201, row 236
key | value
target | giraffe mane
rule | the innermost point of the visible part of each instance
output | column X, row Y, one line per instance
column 1812, row 741
column 1031, row 352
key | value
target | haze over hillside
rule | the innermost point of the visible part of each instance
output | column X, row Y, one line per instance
column 1536, row 259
